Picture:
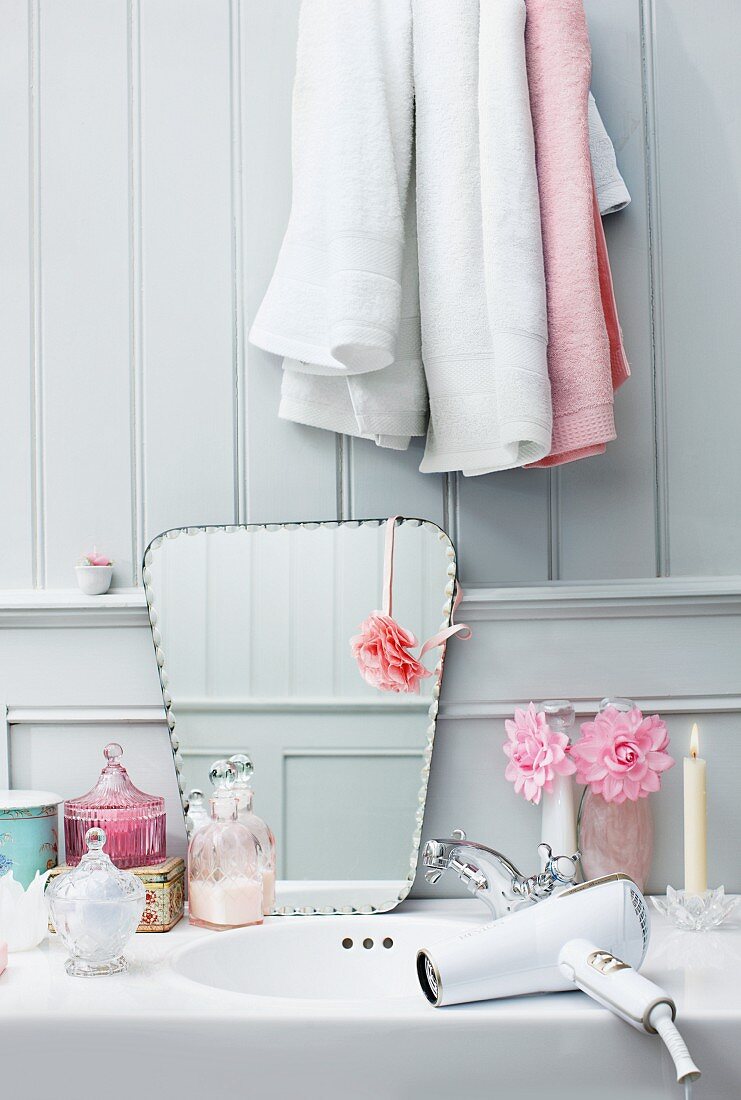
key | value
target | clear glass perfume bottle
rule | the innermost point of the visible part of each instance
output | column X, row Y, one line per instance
column 134, row 822
column 96, row 909
column 224, row 880
column 240, row 786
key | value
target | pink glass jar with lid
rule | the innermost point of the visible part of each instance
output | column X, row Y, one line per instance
column 134, row 822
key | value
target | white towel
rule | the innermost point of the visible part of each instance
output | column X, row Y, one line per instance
column 482, row 287
column 343, row 305
column 335, row 296
column 612, row 194
column 389, row 405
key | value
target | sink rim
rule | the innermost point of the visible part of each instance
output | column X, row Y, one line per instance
column 405, row 1005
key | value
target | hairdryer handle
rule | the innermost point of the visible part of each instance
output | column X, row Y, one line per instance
column 613, row 983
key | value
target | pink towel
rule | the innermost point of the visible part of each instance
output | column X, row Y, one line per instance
column 586, row 360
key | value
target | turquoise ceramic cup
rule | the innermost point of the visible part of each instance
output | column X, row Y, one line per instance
column 29, row 830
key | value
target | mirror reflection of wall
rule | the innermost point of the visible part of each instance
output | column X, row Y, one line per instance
column 255, row 626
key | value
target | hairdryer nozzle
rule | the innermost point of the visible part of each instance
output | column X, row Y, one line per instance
column 429, row 979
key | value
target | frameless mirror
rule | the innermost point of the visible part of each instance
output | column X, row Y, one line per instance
column 252, row 629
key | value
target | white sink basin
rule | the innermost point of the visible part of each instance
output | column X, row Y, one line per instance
column 284, row 1010
column 345, row 959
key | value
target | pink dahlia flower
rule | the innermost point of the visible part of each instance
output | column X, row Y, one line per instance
column 381, row 650
column 537, row 754
column 621, row 754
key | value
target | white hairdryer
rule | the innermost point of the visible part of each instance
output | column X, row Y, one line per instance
column 593, row 936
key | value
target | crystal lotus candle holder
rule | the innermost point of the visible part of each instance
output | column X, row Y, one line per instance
column 695, row 912
column 134, row 822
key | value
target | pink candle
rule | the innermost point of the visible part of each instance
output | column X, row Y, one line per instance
column 231, row 903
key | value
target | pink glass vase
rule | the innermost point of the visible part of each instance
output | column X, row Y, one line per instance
column 134, row 822
column 615, row 837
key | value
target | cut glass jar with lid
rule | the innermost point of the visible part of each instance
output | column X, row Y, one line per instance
column 96, row 909
column 134, row 822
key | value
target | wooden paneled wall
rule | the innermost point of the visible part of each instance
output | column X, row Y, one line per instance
column 146, row 187
column 145, row 183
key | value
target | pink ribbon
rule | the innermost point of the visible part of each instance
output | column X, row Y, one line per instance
column 439, row 639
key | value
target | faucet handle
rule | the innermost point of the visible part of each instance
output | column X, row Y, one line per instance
column 458, row 834
column 561, row 870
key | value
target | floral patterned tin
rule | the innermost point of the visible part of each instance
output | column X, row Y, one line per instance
column 29, row 822
column 163, row 884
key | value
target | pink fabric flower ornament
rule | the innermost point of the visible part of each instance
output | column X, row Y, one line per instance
column 97, row 559
column 621, row 754
column 381, row 650
column 382, row 647
column 537, row 754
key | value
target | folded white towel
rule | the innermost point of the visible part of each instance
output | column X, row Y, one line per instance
column 482, row 287
column 612, row 194
column 335, row 296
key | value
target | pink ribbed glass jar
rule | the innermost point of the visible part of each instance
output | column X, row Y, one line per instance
column 134, row 822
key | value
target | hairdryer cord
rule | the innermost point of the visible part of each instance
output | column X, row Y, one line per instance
column 687, row 1071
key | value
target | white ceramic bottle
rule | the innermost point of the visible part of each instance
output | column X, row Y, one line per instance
column 558, row 821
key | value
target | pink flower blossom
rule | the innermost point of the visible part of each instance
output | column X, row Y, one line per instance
column 621, row 754
column 537, row 754
column 381, row 650
column 97, row 559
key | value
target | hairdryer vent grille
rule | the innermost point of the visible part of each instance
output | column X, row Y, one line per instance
column 640, row 907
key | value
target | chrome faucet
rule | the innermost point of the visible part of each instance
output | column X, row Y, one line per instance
column 493, row 878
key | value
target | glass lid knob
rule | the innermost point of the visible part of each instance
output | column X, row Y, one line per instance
column 95, row 838
column 113, row 752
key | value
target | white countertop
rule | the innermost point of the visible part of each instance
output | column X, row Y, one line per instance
column 43, row 1010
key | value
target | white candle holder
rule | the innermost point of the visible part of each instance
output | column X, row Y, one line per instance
column 695, row 912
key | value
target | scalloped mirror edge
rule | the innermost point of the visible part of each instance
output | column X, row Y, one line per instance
column 447, row 610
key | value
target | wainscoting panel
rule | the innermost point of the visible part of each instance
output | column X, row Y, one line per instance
column 182, row 227
column 18, row 355
column 82, row 282
column 288, row 471
column 696, row 110
column 605, row 508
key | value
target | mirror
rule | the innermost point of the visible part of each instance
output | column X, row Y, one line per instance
column 252, row 628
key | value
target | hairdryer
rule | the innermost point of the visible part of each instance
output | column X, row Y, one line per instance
column 593, row 936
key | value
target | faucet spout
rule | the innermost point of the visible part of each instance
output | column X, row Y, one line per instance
column 492, row 877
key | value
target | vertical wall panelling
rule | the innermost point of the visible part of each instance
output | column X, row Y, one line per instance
column 136, row 299
column 83, row 311
column 385, row 481
column 17, row 95
column 291, row 470
column 187, row 269
column 607, row 504
column 504, row 535
column 697, row 95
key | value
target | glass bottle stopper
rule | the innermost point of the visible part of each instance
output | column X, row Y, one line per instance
column 560, row 714
column 623, row 705
column 243, row 768
column 222, row 775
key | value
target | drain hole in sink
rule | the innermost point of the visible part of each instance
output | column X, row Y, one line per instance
column 367, row 944
column 388, row 942
column 347, row 943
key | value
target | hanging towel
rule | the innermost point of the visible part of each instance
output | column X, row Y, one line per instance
column 482, row 289
column 612, row 194
column 335, row 297
column 580, row 360
column 389, row 405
